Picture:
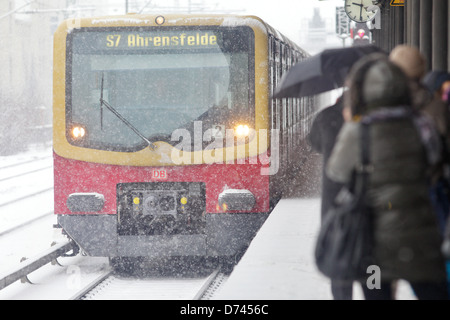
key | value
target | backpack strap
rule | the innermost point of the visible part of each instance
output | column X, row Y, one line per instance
column 365, row 165
column 363, row 169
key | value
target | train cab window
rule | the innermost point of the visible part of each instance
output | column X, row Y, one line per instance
column 159, row 80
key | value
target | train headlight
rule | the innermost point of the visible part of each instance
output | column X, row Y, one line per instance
column 160, row 20
column 77, row 132
column 224, row 207
column 242, row 130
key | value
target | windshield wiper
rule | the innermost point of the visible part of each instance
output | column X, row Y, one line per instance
column 103, row 102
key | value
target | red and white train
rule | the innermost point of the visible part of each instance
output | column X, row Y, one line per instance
column 166, row 139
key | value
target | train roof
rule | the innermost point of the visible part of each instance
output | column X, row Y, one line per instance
column 177, row 20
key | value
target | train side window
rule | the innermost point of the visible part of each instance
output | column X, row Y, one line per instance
column 276, row 103
column 273, row 79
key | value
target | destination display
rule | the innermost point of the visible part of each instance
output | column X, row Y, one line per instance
column 94, row 40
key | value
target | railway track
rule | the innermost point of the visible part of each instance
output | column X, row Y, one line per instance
column 25, row 223
column 25, row 179
column 111, row 286
column 26, row 206
column 26, row 187
column 10, row 171
column 24, row 162
column 25, row 196
column 22, row 270
column 10, row 176
column 200, row 283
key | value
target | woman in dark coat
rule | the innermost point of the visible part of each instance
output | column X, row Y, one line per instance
column 406, row 235
column 321, row 138
column 323, row 133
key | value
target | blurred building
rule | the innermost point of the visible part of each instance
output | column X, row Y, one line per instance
column 318, row 33
column 26, row 77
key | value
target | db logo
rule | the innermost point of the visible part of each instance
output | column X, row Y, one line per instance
column 159, row 174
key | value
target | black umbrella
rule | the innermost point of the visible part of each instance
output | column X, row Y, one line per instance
column 322, row 72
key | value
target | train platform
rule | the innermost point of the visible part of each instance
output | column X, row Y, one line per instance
column 279, row 263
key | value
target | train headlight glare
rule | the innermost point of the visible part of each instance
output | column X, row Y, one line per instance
column 242, row 130
column 224, row 207
column 160, row 20
column 78, row 132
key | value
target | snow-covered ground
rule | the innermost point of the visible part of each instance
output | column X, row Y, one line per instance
column 38, row 164
column 278, row 264
column 39, row 235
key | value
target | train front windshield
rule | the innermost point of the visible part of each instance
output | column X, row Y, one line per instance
column 159, row 80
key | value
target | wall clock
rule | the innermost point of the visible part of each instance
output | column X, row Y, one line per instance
column 357, row 11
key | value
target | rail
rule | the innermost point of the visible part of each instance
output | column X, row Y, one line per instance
column 110, row 286
column 207, row 284
column 28, row 266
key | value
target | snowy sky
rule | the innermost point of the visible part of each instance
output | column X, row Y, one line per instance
column 285, row 15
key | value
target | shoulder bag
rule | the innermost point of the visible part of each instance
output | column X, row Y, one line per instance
column 344, row 244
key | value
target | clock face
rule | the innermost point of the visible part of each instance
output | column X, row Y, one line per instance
column 357, row 10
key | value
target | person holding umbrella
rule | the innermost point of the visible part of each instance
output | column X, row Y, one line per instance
column 324, row 130
column 321, row 73
column 404, row 146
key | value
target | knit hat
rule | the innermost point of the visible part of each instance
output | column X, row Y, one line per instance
column 385, row 85
column 434, row 79
column 410, row 60
column 374, row 82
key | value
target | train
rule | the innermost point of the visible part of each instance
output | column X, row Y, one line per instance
column 166, row 139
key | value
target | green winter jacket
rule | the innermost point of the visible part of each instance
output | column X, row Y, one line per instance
column 407, row 240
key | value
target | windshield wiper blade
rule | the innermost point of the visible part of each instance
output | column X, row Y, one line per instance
column 103, row 102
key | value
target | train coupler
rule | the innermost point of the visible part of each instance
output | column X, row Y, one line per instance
column 75, row 250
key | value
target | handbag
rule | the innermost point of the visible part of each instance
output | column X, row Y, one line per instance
column 344, row 244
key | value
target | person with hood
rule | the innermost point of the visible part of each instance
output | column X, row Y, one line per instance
column 403, row 148
column 324, row 129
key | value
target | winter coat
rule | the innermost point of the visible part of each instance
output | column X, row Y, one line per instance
column 406, row 235
column 432, row 105
column 322, row 136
